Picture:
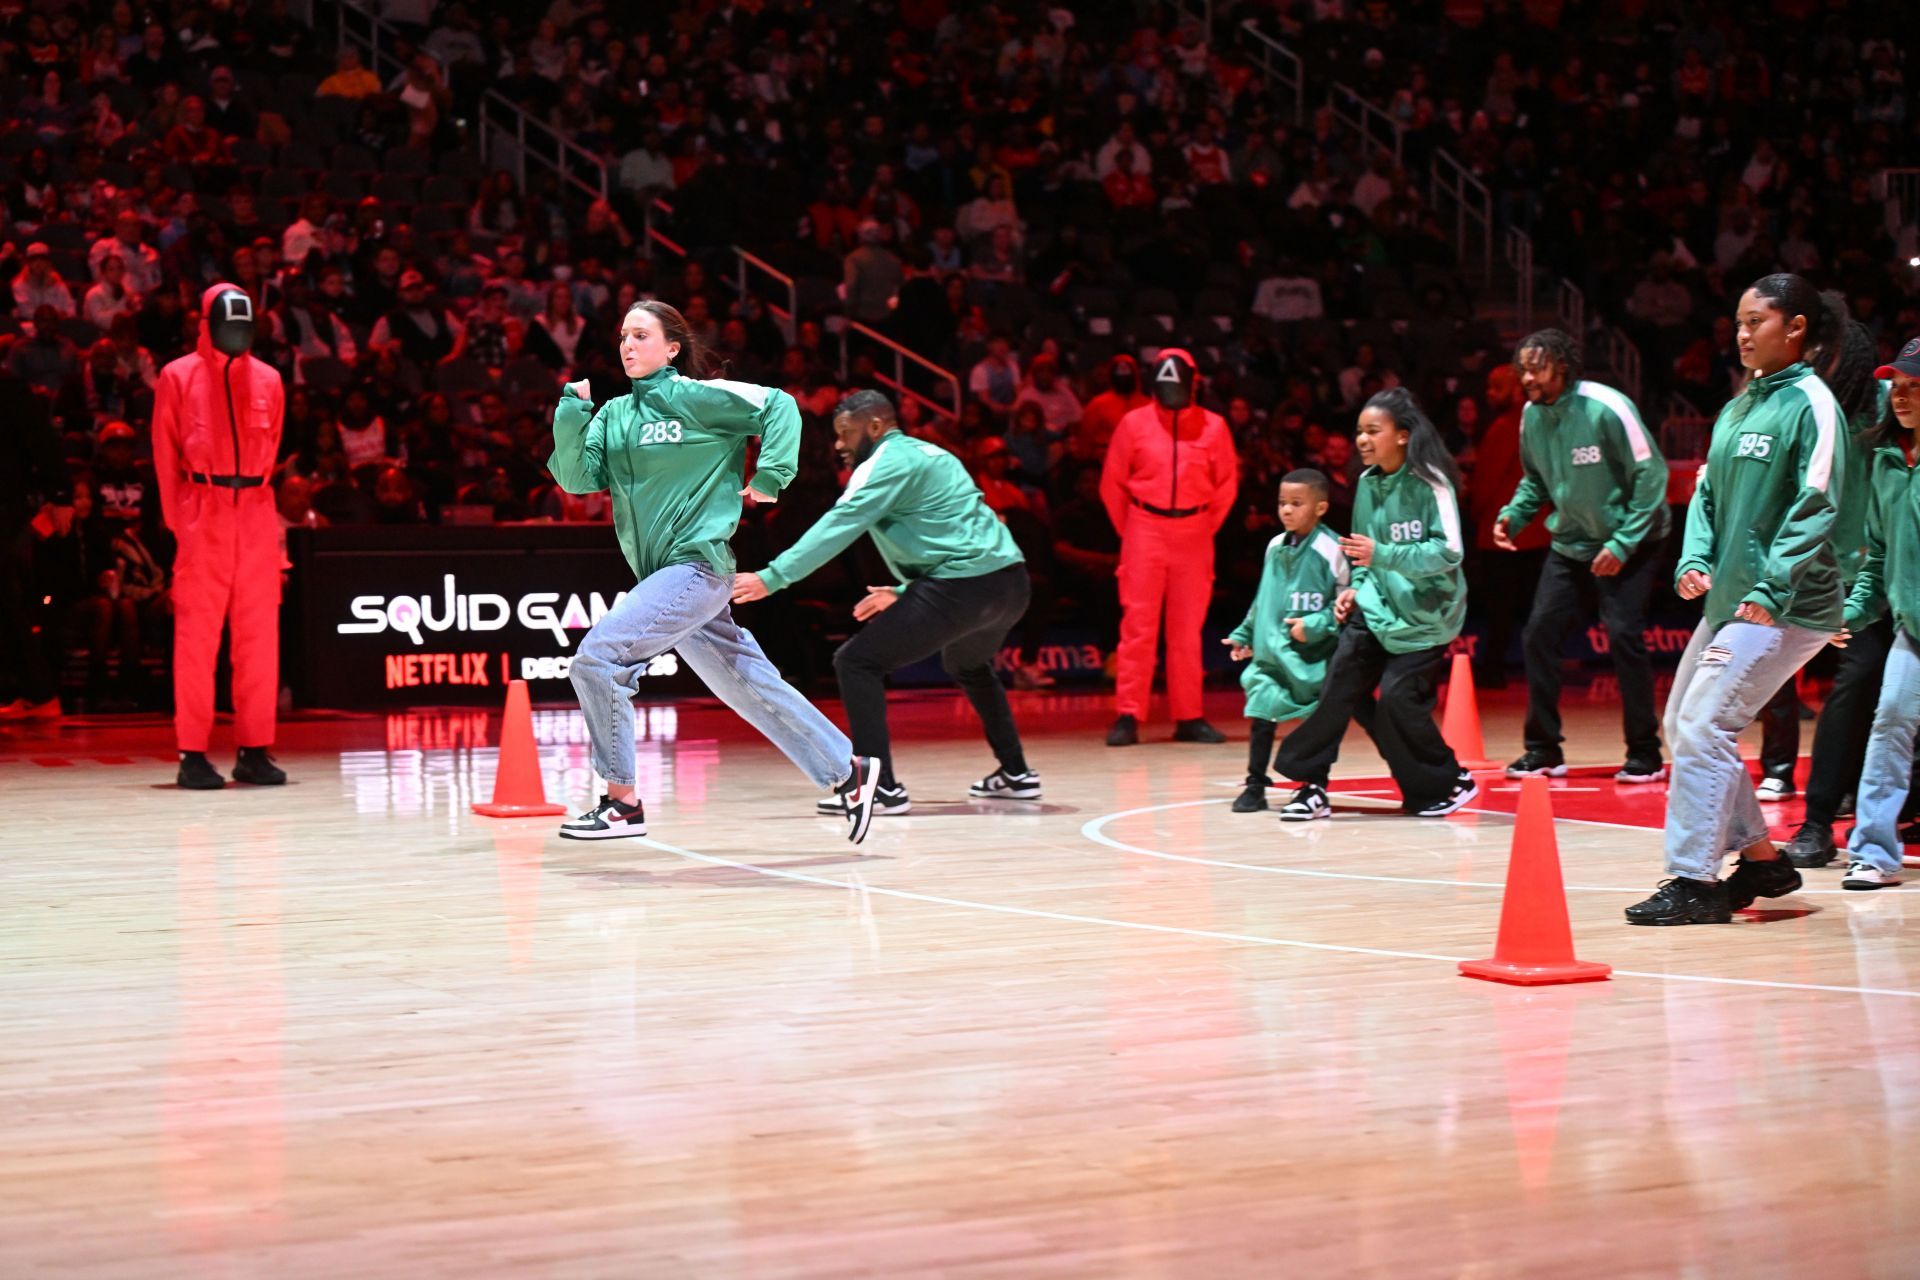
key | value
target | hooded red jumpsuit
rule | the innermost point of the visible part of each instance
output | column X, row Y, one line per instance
column 1167, row 496
column 217, row 419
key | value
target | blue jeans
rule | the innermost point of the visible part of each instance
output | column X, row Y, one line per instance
column 685, row 607
column 1724, row 678
column 1884, row 778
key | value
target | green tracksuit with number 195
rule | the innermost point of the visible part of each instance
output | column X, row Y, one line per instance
column 1763, row 517
column 1301, row 578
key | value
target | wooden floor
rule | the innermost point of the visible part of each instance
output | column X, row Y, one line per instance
column 349, row 1030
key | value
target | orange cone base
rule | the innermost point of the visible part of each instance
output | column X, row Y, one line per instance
column 519, row 810
column 1536, row 975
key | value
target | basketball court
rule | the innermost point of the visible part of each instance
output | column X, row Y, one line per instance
column 349, row 1028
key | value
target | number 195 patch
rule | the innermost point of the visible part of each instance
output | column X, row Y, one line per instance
column 1754, row 444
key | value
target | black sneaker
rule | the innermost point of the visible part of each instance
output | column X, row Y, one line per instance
column 609, row 819
column 1001, row 785
column 1197, row 731
column 1641, row 769
column 1750, row 880
column 1308, row 804
column 1538, row 764
column 197, row 773
column 1683, row 901
column 1811, row 846
column 858, row 796
column 1846, row 806
column 1774, row 790
column 1464, row 789
column 1125, row 732
column 257, row 769
column 1252, row 800
column 888, row 802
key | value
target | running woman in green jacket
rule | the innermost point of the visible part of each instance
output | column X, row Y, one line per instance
column 672, row 456
column 1289, row 631
column 1889, row 578
column 960, row 584
column 1584, row 450
column 1759, row 553
column 1404, row 606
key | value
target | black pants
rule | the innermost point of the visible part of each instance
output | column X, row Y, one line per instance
column 1400, row 724
column 1568, row 594
column 1840, row 736
column 25, row 671
column 1505, row 580
column 1780, row 731
column 965, row 621
column 1259, row 750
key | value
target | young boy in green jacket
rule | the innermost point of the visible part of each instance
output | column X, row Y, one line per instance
column 1289, row 633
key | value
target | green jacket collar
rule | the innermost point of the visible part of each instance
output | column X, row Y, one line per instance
column 1761, row 388
column 658, row 378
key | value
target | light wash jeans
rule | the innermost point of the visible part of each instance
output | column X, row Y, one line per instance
column 686, row 607
column 1724, row 678
column 1888, row 770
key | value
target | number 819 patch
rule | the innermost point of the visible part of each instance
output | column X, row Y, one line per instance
column 1754, row 444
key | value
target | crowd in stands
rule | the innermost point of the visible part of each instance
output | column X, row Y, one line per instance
column 1032, row 196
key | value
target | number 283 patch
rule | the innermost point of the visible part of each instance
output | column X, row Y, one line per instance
column 1753, row 444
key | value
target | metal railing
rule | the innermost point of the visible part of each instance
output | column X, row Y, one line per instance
column 1571, row 306
column 901, row 357
column 1462, row 198
column 1376, row 130
column 1281, row 65
column 789, row 316
column 1900, row 188
column 1519, row 248
column 507, row 135
column 1621, row 356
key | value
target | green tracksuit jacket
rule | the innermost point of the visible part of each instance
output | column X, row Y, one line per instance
column 1850, row 522
column 672, row 455
column 1300, row 579
column 1762, row 520
column 1589, row 454
column 924, row 511
column 1891, row 574
column 1413, row 596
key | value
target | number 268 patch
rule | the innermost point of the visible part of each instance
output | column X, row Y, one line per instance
column 1753, row 444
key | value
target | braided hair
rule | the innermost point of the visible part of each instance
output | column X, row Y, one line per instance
column 1560, row 347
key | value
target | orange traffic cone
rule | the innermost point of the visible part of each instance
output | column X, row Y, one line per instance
column 1460, row 725
column 517, row 789
column 1535, row 947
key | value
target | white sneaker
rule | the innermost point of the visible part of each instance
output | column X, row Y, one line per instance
column 1309, row 804
column 1773, row 790
column 607, row 820
column 1001, row 785
column 888, row 802
column 1864, row 875
column 1464, row 790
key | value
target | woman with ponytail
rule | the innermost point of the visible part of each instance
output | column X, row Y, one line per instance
column 1846, row 718
column 1403, row 608
column 672, row 456
column 1759, row 552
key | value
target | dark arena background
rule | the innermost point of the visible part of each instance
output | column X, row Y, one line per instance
column 341, row 1023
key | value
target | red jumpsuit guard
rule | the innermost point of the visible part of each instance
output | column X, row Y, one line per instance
column 1171, row 477
column 216, row 435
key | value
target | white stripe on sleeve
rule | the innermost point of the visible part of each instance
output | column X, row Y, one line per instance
column 1329, row 548
column 1826, row 422
column 1449, row 509
column 1622, row 409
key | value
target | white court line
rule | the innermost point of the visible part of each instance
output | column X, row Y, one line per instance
column 1092, row 831
column 1068, row 918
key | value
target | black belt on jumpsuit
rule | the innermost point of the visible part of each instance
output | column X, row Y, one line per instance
column 1170, row 513
column 227, row 482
